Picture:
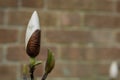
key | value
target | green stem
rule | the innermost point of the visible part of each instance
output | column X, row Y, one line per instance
column 33, row 63
column 32, row 72
column 32, row 68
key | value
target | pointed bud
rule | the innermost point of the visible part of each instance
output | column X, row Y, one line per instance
column 33, row 34
column 50, row 62
column 114, row 70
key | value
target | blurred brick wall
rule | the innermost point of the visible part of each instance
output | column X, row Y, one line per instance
column 83, row 34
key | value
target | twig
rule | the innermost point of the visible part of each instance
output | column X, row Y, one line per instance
column 44, row 76
column 32, row 68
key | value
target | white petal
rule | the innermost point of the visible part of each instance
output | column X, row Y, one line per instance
column 33, row 25
column 114, row 70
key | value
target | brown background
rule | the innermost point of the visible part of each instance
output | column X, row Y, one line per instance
column 83, row 34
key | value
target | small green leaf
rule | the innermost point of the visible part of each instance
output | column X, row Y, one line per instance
column 50, row 62
column 33, row 62
column 37, row 63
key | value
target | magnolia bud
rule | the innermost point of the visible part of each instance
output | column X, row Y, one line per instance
column 50, row 63
column 114, row 70
column 33, row 34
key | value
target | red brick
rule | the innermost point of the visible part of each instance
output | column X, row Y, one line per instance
column 8, row 35
column 77, row 54
column 102, row 21
column 8, row 72
column 22, row 18
column 118, row 37
column 102, row 69
column 39, row 71
column 70, row 5
column 107, row 54
column 1, row 54
column 70, row 19
column 101, row 5
column 90, row 54
column 103, row 37
column 7, row 3
column 22, row 36
column 48, row 18
column 85, row 70
column 118, row 6
column 72, row 70
column 1, row 17
column 55, row 36
column 17, row 53
column 33, row 3
column 18, row 17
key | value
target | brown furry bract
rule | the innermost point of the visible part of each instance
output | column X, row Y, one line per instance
column 33, row 46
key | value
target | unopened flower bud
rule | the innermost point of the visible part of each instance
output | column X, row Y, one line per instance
column 33, row 34
column 50, row 62
column 114, row 70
